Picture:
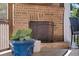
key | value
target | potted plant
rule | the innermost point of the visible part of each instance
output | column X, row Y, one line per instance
column 22, row 43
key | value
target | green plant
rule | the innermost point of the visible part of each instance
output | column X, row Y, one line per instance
column 22, row 34
column 74, row 12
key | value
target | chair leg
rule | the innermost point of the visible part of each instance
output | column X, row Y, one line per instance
column 77, row 39
column 74, row 38
column 71, row 39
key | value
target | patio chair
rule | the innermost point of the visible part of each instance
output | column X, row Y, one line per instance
column 74, row 21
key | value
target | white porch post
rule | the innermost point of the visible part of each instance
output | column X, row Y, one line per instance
column 67, row 29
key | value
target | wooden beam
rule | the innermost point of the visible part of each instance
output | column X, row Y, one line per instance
column 61, row 4
column 10, row 19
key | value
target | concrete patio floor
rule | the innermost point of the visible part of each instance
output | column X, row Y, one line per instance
column 43, row 52
column 74, row 52
column 49, row 52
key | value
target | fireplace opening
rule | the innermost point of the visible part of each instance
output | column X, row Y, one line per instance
column 42, row 30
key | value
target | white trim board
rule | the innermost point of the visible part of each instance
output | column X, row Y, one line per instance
column 1, row 53
column 68, row 52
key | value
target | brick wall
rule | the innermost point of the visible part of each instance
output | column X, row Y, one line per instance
column 29, row 12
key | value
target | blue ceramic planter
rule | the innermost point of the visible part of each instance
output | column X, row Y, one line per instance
column 22, row 48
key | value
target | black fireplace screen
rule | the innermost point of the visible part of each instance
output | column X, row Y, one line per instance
column 42, row 30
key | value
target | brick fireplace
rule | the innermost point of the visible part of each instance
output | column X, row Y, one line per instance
column 42, row 30
column 25, row 13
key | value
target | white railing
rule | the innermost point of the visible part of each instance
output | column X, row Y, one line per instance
column 4, row 35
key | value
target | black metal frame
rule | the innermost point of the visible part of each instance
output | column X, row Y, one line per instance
column 74, row 29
